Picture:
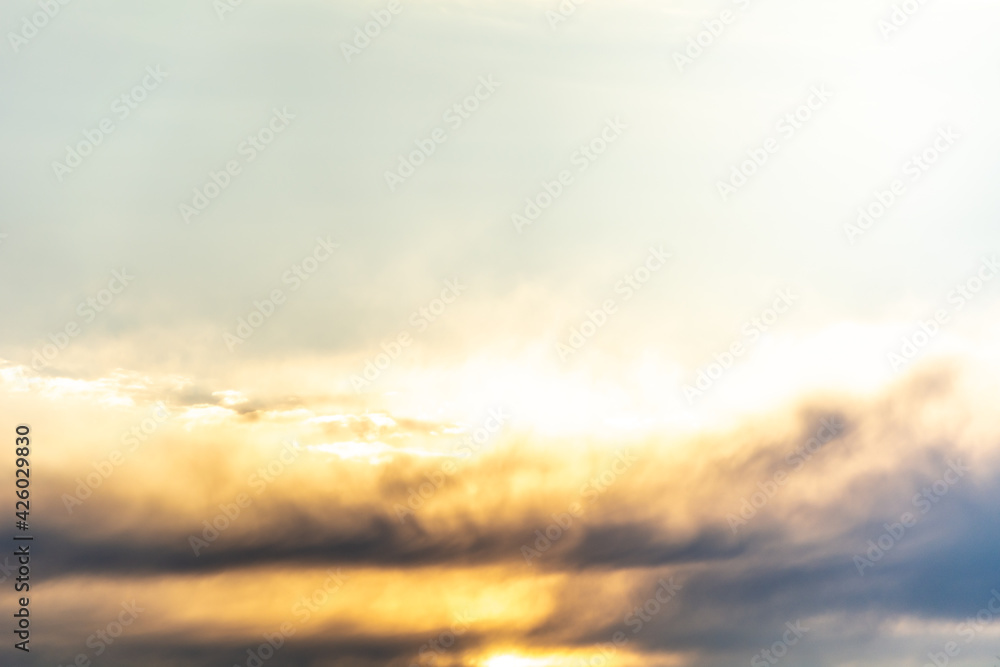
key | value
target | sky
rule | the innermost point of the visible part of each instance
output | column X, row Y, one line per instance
column 509, row 333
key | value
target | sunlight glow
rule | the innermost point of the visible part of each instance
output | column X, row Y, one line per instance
column 509, row 660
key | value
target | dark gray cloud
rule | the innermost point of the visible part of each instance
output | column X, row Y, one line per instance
column 784, row 564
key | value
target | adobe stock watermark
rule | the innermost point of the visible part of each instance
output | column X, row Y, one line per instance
column 122, row 108
column 104, row 637
column 31, row 26
column 924, row 501
column 306, row 606
column 779, row 649
column 273, row 641
column 913, row 344
column 829, row 429
column 968, row 630
column 88, row 310
column 103, row 469
column 224, row 7
column 562, row 13
column 752, row 331
column 637, row 619
column 628, row 286
column 417, row 497
column 698, row 43
column 456, row 115
column 249, row 150
column 7, row 569
column 582, row 158
column 363, row 35
column 303, row 609
column 295, row 277
column 420, row 319
column 899, row 16
column 787, row 128
column 590, row 493
column 915, row 167
column 258, row 483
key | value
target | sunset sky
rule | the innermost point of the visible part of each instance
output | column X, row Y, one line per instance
column 510, row 333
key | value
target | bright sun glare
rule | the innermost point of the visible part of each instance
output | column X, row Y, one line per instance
column 514, row 661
